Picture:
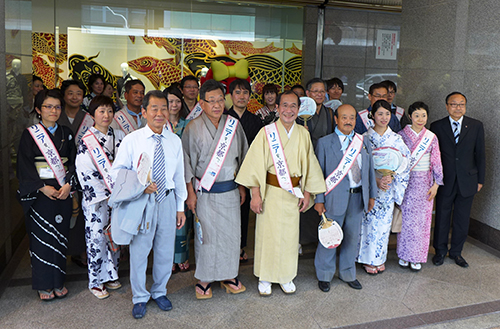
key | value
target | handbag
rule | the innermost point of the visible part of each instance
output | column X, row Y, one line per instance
column 109, row 239
column 397, row 219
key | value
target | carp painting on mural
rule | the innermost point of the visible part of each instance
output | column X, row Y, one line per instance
column 170, row 59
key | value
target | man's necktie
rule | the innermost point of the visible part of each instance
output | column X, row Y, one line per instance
column 456, row 131
column 159, row 170
column 355, row 170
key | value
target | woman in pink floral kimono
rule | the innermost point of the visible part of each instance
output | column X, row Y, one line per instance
column 425, row 177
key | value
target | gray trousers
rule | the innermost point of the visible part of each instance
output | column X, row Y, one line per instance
column 325, row 259
column 160, row 238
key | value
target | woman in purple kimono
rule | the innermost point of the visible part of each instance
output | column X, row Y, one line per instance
column 425, row 177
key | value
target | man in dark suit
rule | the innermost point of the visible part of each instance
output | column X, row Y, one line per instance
column 355, row 192
column 461, row 141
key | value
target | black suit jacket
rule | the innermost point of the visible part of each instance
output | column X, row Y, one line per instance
column 464, row 161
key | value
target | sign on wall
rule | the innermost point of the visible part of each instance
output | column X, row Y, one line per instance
column 387, row 41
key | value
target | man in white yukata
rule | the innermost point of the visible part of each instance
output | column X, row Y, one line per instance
column 214, row 147
column 166, row 199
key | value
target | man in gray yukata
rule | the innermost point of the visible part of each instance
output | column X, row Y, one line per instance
column 162, row 201
column 216, row 206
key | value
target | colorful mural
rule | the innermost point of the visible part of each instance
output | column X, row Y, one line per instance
column 159, row 62
column 44, row 57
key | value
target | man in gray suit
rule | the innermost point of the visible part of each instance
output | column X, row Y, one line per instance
column 350, row 190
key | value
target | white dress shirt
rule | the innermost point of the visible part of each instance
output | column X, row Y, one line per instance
column 142, row 140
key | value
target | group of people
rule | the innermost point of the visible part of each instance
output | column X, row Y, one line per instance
column 168, row 161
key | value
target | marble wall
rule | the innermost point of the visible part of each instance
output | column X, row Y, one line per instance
column 455, row 45
column 349, row 49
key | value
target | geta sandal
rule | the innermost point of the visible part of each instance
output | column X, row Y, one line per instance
column 184, row 267
column 46, row 295
column 372, row 270
column 100, row 292
column 205, row 290
column 61, row 293
column 228, row 283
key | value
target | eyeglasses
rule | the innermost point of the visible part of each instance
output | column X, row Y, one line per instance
column 392, row 92
column 379, row 96
column 50, row 107
column 190, row 87
column 318, row 91
column 455, row 105
column 213, row 102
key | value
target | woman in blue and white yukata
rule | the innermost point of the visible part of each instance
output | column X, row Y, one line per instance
column 376, row 226
column 102, row 261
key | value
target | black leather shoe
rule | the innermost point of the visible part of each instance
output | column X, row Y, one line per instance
column 438, row 259
column 324, row 286
column 353, row 284
column 460, row 261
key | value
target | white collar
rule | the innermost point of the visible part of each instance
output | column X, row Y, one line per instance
column 459, row 121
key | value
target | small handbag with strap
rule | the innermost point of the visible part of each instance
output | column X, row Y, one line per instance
column 397, row 219
column 109, row 239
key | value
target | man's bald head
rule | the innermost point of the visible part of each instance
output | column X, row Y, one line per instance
column 345, row 118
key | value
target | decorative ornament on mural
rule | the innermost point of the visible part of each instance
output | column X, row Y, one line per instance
column 294, row 50
column 197, row 61
column 81, row 67
column 132, row 38
column 45, row 71
column 247, row 48
column 263, row 69
column 175, row 46
column 160, row 72
column 44, row 44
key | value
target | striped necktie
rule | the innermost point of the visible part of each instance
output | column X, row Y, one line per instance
column 456, row 131
column 159, row 170
column 355, row 170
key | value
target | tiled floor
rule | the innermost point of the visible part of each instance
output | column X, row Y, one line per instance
column 436, row 297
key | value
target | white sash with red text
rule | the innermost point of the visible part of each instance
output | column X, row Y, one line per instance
column 99, row 157
column 279, row 160
column 399, row 112
column 220, row 154
column 345, row 164
column 124, row 122
column 366, row 121
column 87, row 122
column 195, row 112
column 168, row 126
column 421, row 148
column 49, row 151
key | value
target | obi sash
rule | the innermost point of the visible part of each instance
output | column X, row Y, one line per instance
column 364, row 117
column 99, row 158
column 49, row 151
column 279, row 160
column 345, row 164
column 87, row 122
column 195, row 112
column 422, row 147
column 124, row 122
column 220, row 153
